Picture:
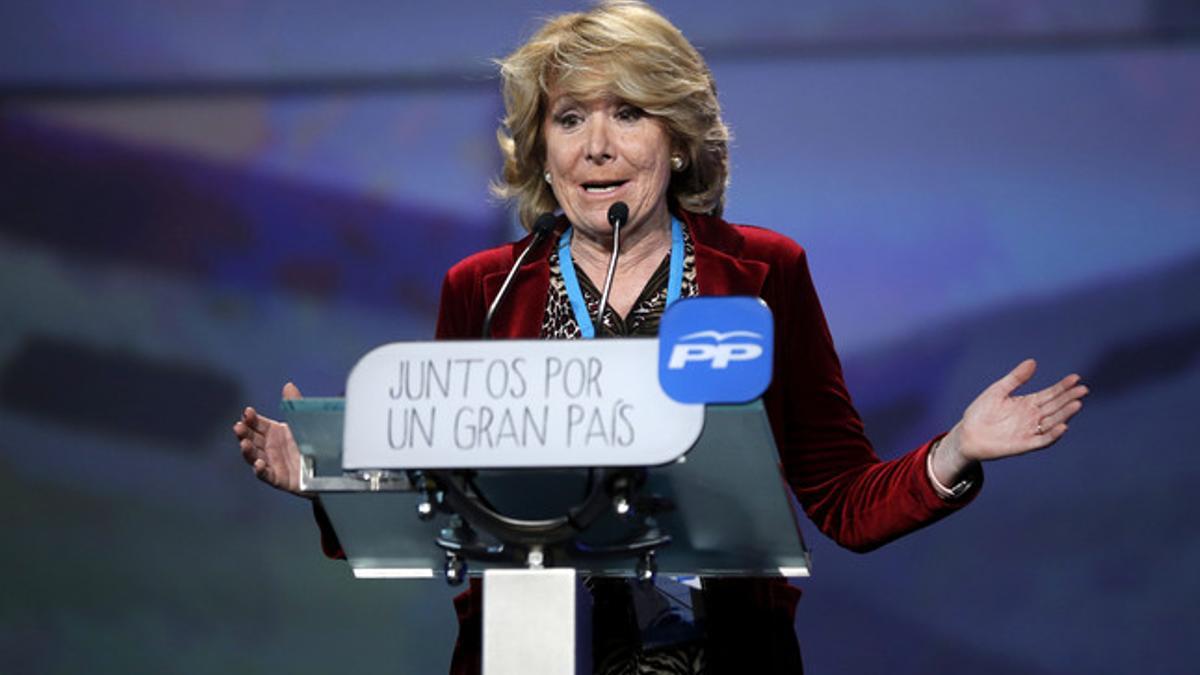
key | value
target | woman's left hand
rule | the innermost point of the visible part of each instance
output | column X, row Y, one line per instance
column 999, row 424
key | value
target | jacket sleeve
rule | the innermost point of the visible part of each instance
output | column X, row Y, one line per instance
column 851, row 495
column 330, row 546
column 460, row 308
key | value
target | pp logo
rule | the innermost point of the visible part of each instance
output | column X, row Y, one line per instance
column 715, row 350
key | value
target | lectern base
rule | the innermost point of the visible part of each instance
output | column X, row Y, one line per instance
column 536, row 622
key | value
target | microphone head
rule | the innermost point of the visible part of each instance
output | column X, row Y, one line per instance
column 618, row 213
column 544, row 224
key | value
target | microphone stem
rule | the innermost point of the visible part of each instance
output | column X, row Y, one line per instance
column 512, row 272
column 608, row 278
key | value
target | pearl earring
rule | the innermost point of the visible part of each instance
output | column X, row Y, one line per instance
column 676, row 163
column 546, row 176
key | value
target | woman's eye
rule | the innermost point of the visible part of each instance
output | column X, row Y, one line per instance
column 630, row 113
column 568, row 119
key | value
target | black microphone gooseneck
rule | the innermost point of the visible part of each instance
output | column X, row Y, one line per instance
column 618, row 213
column 541, row 227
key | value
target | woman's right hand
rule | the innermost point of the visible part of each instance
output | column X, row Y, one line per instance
column 268, row 447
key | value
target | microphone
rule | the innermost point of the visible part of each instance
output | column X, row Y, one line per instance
column 618, row 213
column 541, row 227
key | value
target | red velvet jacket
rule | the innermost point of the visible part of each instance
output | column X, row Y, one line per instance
column 851, row 495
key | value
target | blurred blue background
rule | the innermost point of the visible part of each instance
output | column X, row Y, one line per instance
column 201, row 201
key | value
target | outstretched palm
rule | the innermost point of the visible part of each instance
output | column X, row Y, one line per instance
column 268, row 447
column 998, row 424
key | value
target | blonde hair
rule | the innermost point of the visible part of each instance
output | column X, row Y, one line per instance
column 626, row 49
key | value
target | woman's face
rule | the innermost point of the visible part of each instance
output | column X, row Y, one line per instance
column 603, row 151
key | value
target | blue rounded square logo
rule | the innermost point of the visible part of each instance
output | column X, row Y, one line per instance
column 715, row 349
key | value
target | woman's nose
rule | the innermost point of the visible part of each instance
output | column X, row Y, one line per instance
column 599, row 140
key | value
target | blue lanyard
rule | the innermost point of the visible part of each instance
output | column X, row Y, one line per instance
column 575, row 293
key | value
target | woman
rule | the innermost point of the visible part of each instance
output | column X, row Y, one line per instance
column 614, row 104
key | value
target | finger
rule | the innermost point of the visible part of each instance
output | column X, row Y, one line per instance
column 243, row 431
column 255, row 433
column 1073, row 394
column 1050, row 436
column 291, row 391
column 1061, row 415
column 250, row 452
column 263, row 471
column 250, row 417
column 1049, row 393
column 259, row 423
column 1016, row 377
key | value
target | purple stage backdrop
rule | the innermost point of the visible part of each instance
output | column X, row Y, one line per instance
column 199, row 202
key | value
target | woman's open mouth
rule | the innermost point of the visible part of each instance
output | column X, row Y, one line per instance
column 602, row 187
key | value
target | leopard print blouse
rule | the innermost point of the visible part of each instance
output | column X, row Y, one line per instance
column 558, row 323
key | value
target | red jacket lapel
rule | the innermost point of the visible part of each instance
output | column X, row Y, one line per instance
column 523, row 308
column 720, row 269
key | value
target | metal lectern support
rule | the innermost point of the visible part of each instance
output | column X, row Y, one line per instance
column 535, row 622
column 732, row 517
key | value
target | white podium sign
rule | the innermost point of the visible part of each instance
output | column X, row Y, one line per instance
column 513, row 404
